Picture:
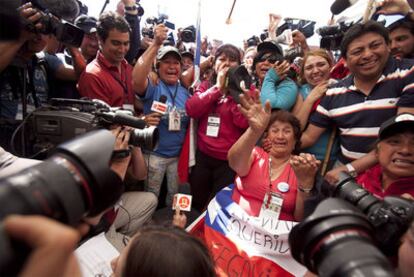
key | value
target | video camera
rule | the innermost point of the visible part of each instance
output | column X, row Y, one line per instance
column 340, row 239
column 74, row 182
column 65, row 119
column 64, row 31
column 151, row 22
column 253, row 41
column 331, row 36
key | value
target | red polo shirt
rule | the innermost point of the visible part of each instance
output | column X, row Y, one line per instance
column 371, row 181
column 102, row 80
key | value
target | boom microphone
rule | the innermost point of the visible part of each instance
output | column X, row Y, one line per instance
column 67, row 9
column 340, row 5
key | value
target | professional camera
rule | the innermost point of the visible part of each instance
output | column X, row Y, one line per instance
column 65, row 32
column 64, row 119
column 74, row 182
column 306, row 27
column 188, row 34
column 339, row 239
column 140, row 9
column 237, row 79
column 151, row 22
column 253, row 41
column 331, row 36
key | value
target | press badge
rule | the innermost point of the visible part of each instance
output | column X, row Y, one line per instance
column 213, row 126
column 272, row 205
column 174, row 121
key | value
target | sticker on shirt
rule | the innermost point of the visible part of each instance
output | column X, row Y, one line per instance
column 272, row 205
column 174, row 121
column 213, row 126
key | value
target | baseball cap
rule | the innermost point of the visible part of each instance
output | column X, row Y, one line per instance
column 270, row 46
column 187, row 54
column 168, row 50
column 86, row 23
column 396, row 124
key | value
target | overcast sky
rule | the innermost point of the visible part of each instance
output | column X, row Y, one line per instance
column 249, row 18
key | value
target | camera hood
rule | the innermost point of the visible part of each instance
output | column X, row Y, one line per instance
column 93, row 152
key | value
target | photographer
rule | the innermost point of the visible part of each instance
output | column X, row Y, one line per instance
column 135, row 207
column 25, row 73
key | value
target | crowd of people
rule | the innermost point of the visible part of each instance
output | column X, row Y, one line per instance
column 303, row 120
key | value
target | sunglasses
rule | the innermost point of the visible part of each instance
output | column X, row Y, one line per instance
column 271, row 58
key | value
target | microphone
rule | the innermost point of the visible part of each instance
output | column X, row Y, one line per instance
column 124, row 119
column 160, row 106
column 340, row 5
column 67, row 9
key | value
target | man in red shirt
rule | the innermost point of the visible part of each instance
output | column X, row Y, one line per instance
column 109, row 76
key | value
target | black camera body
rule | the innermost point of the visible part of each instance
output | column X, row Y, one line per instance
column 151, row 22
column 254, row 41
column 331, row 36
column 65, row 119
column 351, row 234
column 65, row 32
column 188, row 34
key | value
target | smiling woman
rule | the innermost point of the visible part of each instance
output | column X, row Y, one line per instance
column 394, row 173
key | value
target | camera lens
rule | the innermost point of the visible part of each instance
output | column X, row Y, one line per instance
column 145, row 138
column 337, row 240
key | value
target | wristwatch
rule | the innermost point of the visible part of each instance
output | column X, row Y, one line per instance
column 351, row 170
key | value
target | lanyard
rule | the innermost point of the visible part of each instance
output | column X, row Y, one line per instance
column 175, row 93
column 123, row 84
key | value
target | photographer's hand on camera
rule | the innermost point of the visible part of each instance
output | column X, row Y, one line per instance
column 9, row 49
column 52, row 245
column 122, row 153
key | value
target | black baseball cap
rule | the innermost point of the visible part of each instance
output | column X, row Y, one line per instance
column 86, row 23
column 168, row 50
column 270, row 46
column 397, row 124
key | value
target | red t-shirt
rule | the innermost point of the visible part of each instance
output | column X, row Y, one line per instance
column 102, row 80
column 250, row 190
column 371, row 181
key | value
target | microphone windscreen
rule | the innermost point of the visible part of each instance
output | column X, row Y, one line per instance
column 163, row 99
column 64, row 9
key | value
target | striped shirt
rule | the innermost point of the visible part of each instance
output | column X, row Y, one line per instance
column 358, row 116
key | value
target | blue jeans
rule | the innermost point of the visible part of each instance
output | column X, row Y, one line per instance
column 157, row 168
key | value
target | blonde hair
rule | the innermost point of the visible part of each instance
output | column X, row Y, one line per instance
column 319, row 53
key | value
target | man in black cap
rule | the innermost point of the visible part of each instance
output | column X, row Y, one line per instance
column 172, row 121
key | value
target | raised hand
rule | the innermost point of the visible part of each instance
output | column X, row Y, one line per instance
column 393, row 7
column 257, row 115
column 160, row 34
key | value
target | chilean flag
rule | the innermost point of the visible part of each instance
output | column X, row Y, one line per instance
column 243, row 245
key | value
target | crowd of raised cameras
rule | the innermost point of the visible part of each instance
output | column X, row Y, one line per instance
column 106, row 121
